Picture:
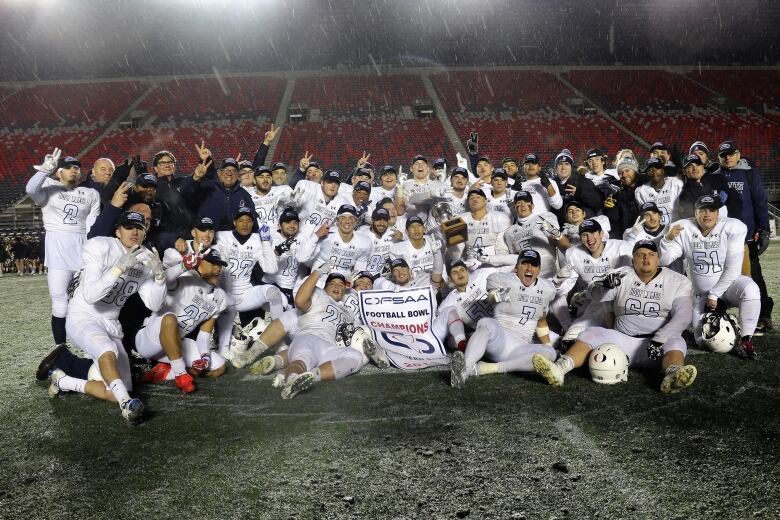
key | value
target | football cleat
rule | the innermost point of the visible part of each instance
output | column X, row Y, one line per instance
column 297, row 385
column 54, row 388
column 548, row 370
column 185, row 383
column 375, row 353
column 458, row 374
column 678, row 379
column 745, row 349
column 157, row 374
column 264, row 366
column 48, row 364
column 132, row 410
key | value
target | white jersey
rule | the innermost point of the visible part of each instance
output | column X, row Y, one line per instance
column 666, row 198
column 378, row 193
column 418, row 196
column 471, row 304
column 266, row 205
column 380, row 250
column 527, row 305
column 526, row 233
column 585, row 267
column 542, row 200
column 193, row 302
column 500, row 204
column 63, row 210
column 351, row 304
column 420, row 260
column 290, row 268
column 459, row 205
column 101, row 294
column 241, row 259
column 483, row 233
column 604, row 178
column 315, row 210
column 641, row 309
column 324, row 317
column 715, row 260
column 348, row 257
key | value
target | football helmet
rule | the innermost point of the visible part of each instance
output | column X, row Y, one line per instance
column 719, row 331
column 608, row 364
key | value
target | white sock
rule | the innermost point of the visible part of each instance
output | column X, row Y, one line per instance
column 566, row 364
column 278, row 362
column 119, row 390
column 71, row 384
column 177, row 367
column 483, row 368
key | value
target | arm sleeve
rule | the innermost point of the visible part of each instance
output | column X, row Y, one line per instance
column 104, row 222
column 556, row 201
column 120, row 175
column 204, row 341
column 95, row 282
column 681, row 316
column 152, row 294
column 732, row 267
column 760, row 205
column 670, row 250
column 94, row 212
column 298, row 175
column 307, row 248
column 590, row 195
column 34, row 188
column 260, row 155
column 267, row 258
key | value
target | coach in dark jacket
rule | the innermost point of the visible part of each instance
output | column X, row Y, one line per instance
column 217, row 198
column 576, row 187
column 697, row 184
column 622, row 208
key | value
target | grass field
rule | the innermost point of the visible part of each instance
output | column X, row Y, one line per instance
column 391, row 445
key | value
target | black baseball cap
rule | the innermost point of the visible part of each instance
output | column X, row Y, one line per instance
column 67, row 162
column 362, row 186
column 646, row 244
column 649, row 206
column 575, row 202
column 131, row 219
column 347, row 208
column 380, row 214
column 245, row 164
column 289, row 215
column 414, row 220
column 335, row 276
column 499, row 173
column 278, row 166
column 398, row 262
column 440, row 163
column 459, row 170
column 147, row 180
column 241, row 211
column 477, row 191
column 594, row 152
column 260, row 170
column 214, row 257
column 708, row 201
column 692, row 159
column 654, row 162
column 484, row 158
column 727, row 148
column 388, row 169
column 331, row 176
column 523, row 195
column 362, row 172
column 531, row 158
column 204, row 223
column 457, row 263
column 529, row 256
column 229, row 163
column 366, row 274
column 313, row 164
column 507, row 160
column 419, row 157
column 589, row 225
column 658, row 145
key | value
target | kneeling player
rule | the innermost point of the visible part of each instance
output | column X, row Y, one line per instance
column 652, row 307
column 521, row 299
column 195, row 301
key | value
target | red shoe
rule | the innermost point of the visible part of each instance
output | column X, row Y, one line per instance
column 185, row 383
column 157, row 374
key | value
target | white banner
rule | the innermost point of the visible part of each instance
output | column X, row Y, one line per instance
column 401, row 322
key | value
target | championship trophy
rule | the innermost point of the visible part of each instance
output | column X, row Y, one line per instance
column 452, row 229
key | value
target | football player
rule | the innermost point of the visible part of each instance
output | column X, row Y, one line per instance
column 421, row 253
column 381, row 240
column 291, row 250
column 652, row 307
column 499, row 196
column 266, row 196
column 663, row 191
column 346, row 250
column 544, row 192
column 483, row 227
column 317, row 203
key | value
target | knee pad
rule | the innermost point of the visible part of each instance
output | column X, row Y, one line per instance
column 273, row 295
column 94, row 373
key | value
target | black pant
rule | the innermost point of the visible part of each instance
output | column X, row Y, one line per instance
column 767, row 303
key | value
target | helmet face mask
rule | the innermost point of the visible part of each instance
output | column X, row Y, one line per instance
column 608, row 364
column 719, row 331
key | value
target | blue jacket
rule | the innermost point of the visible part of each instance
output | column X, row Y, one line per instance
column 747, row 200
column 209, row 198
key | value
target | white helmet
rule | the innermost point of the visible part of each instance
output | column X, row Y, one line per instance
column 719, row 331
column 608, row 364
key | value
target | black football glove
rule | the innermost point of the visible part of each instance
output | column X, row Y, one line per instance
column 471, row 145
column 611, row 280
column 763, row 241
column 284, row 246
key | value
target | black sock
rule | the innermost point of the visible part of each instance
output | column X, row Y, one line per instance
column 73, row 365
column 58, row 329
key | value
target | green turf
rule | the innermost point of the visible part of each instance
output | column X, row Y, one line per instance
column 391, row 445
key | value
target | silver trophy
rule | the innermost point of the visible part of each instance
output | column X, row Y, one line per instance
column 453, row 229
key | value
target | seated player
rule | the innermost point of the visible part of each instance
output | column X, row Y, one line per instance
column 194, row 302
column 521, row 301
column 652, row 308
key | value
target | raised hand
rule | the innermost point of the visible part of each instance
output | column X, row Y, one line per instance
column 203, row 152
column 363, row 160
column 129, row 259
column 462, row 161
column 472, row 145
column 49, row 163
column 200, row 170
column 638, row 226
column 120, row 195
column 325, row 267
column 549, row 229
column 611, row 280
column 305, row 160
column 270, row 135
column 265, row 233
column 500, row 295
column 674, row 232
column 152, row 261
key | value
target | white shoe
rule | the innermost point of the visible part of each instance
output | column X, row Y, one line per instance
column 132, row 410
column 265, row 366
column 297, row 385
column 278, row 381
column 54, row 388
column 458, row 373
column 375, row 353
column 242, row 359
column 679, row 379
column 548, row 370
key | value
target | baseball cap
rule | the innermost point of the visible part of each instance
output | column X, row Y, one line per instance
column 131, row 219
column 529, row 256
column 362, row 186
column 708, row 201
column 67, row 162
column 647, row 244
column 459, row 170
column 147, row 180
column 477, row 192
column 575, row 202
column 313, row 164
column 727, row 148
column 499, row 173
column 456, row 263
column 214, row 257
column 589, row 225
column 347, row 208
column 484, row 158
column 699, row 146
column 654, row 162
column 362, row 172
column 260, row 170
column 229, row 163
column 398, row 262
column 366, row 274
column 241, row 211
column 531, row 158
column 692, row 159
column 289, row 215
column 439, row 163
column 523, row 195
column 419, row 157
column 658, row 145
column 414, row 220
column 335, row 276
column 204, row 223
column 245, row 164
column 380, row 214
column 594, row 152
column 278, row 166
column 331, row 176
column 649, row 206
column 507, row 160
column 388, row 169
